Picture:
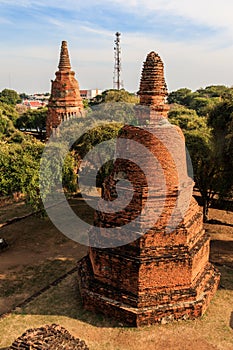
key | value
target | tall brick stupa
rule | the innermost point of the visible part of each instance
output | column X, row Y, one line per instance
column 65, row 100
column 157, row 269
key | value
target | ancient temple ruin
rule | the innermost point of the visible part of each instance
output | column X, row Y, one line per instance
column 49, row 337
column 65, row 101
column 162, row 274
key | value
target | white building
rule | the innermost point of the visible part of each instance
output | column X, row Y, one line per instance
column 89, row 94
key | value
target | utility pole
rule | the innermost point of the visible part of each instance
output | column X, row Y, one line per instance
column 117, row 83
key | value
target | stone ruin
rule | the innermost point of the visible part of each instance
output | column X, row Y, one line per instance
column 51, row 337
column 163, row 274
column 65, row 101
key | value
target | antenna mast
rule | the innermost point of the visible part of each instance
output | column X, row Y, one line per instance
column 117, row 83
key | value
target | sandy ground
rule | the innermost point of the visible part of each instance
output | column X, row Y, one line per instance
column 39, row 252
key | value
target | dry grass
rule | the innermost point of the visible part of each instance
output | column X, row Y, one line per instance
column 19, row 209
column 62, row 303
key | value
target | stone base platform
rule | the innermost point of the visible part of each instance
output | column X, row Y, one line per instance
column 188, row 303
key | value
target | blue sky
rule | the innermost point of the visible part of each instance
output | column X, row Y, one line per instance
column 194, row 39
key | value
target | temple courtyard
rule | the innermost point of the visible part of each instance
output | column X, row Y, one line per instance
column 39, row 286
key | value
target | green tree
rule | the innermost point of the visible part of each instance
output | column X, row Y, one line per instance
column 33, row 119
column 9, row 97
column 85, row 103
column 207, row 174
column 221, row 121
column 54, row 173
column 184, row 117
column 102, row 132
column 199, row 142
column 6, row 126
column 181, row 96
column 23, row 96
column 9, row 111
column 113, row 95
column 20, row 169
column 8, row 133
column 18, row 165
column 201, row 100
column 220, row 91
column 203, row 105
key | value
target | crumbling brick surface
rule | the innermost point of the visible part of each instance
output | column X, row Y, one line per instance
column 53, row 337
column 163, row 275
column 65, row 101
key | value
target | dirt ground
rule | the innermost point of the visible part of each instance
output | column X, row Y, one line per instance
column 38, row 254
column 221, row 233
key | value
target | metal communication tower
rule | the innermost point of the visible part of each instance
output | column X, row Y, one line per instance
column 117, row 83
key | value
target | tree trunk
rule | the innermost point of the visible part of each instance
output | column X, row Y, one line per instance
column 205, row 209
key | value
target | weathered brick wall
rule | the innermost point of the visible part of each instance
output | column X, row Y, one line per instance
column 164, row 274
column 65, row 101
column 53, row 337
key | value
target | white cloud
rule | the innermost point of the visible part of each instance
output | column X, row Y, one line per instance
column 106, row 33
column 187, row 63
column 214, row 13
column 54, row 22
column 5, row 21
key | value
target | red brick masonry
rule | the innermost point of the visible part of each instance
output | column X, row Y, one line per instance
column 164, row 275
column 49, row 337
column 65, row 100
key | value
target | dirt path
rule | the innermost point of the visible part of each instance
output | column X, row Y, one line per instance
column 221, row 237
column 38, row 254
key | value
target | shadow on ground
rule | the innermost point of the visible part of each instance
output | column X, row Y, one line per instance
column 231, row 320
column 219, row 222
column 221, row 252
column 47, row 254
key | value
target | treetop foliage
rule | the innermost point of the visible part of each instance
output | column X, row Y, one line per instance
column 187, row 119
column 9, row 97
column 202, row 100
column 221, row 117
column 113, row 95
column 8, row 111
column 32, row 119
column 205, row 116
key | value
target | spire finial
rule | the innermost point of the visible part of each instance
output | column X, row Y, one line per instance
column 64, row 63
column 153, row 87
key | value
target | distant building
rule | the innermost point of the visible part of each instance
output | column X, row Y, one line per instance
column 40, row 97
column 89, row 94
column 34, row 104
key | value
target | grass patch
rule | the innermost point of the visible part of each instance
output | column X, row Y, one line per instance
column 62, row 304
column 39, row 254
column 33, row 278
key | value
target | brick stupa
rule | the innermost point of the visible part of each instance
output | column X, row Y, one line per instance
column 163, row 272
column 65, row 101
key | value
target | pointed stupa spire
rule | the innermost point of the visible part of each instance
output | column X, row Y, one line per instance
column 65, row 101
column 64, row 63
column 153, row 88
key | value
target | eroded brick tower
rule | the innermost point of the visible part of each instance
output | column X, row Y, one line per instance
column 163, row 272
column 65, row 100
